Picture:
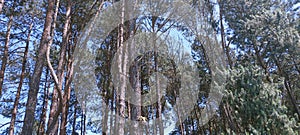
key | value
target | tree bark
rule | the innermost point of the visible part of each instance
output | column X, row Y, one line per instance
column 122, row 70
column 111, row 131
column 15, row 110
column 74, row 119
column 67, row 96
column 116, row 99
column 116, row 96
column 157, row 88
column 136, row 113
column 56, row 103
column 35, row 80
column 287, row 85
column 224, row 46
column 83, row 124
column 43, row 117
column 226, row 107
column 5, row 54
column 64, row 44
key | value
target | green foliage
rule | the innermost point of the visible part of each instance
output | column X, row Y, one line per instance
column 262, row 33
column 257, row 104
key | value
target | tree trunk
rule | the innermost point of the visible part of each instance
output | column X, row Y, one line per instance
column 5, row 54
column 15, row 110
column 122, row 70
column 43, row 117
column 116, row 99
column 224, row 46
column 111, row 115
column 105, row 119
column 60, row 69
column 67, row 93
column 35, row 80
column 157, row 87
column 74, row 119
column 136, row 114
column 226, row 107
column 56, row 95
column 67, row 96
column 83, row 123
column 116, row 96
column 178, row 107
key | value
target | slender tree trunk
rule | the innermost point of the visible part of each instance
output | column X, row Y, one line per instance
column 136, row 114
column 116, row 100
column 224, row 46
column 111, row 115
column 83, row 104
column 43, row 117
column 105, row 119
column 291, row 95
column 106, row 85
column 5, row 54
column 116, row 94
column 70, row 71
column 178, row 107
column 35, row 80
column 74, row 120
column 55, row 110
column 110, row 101
column 157, row 87
column 67, row 96
column 226, row 108
column 287, row 86
column 15, row 110
column 122, row 70
column 83, row 124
